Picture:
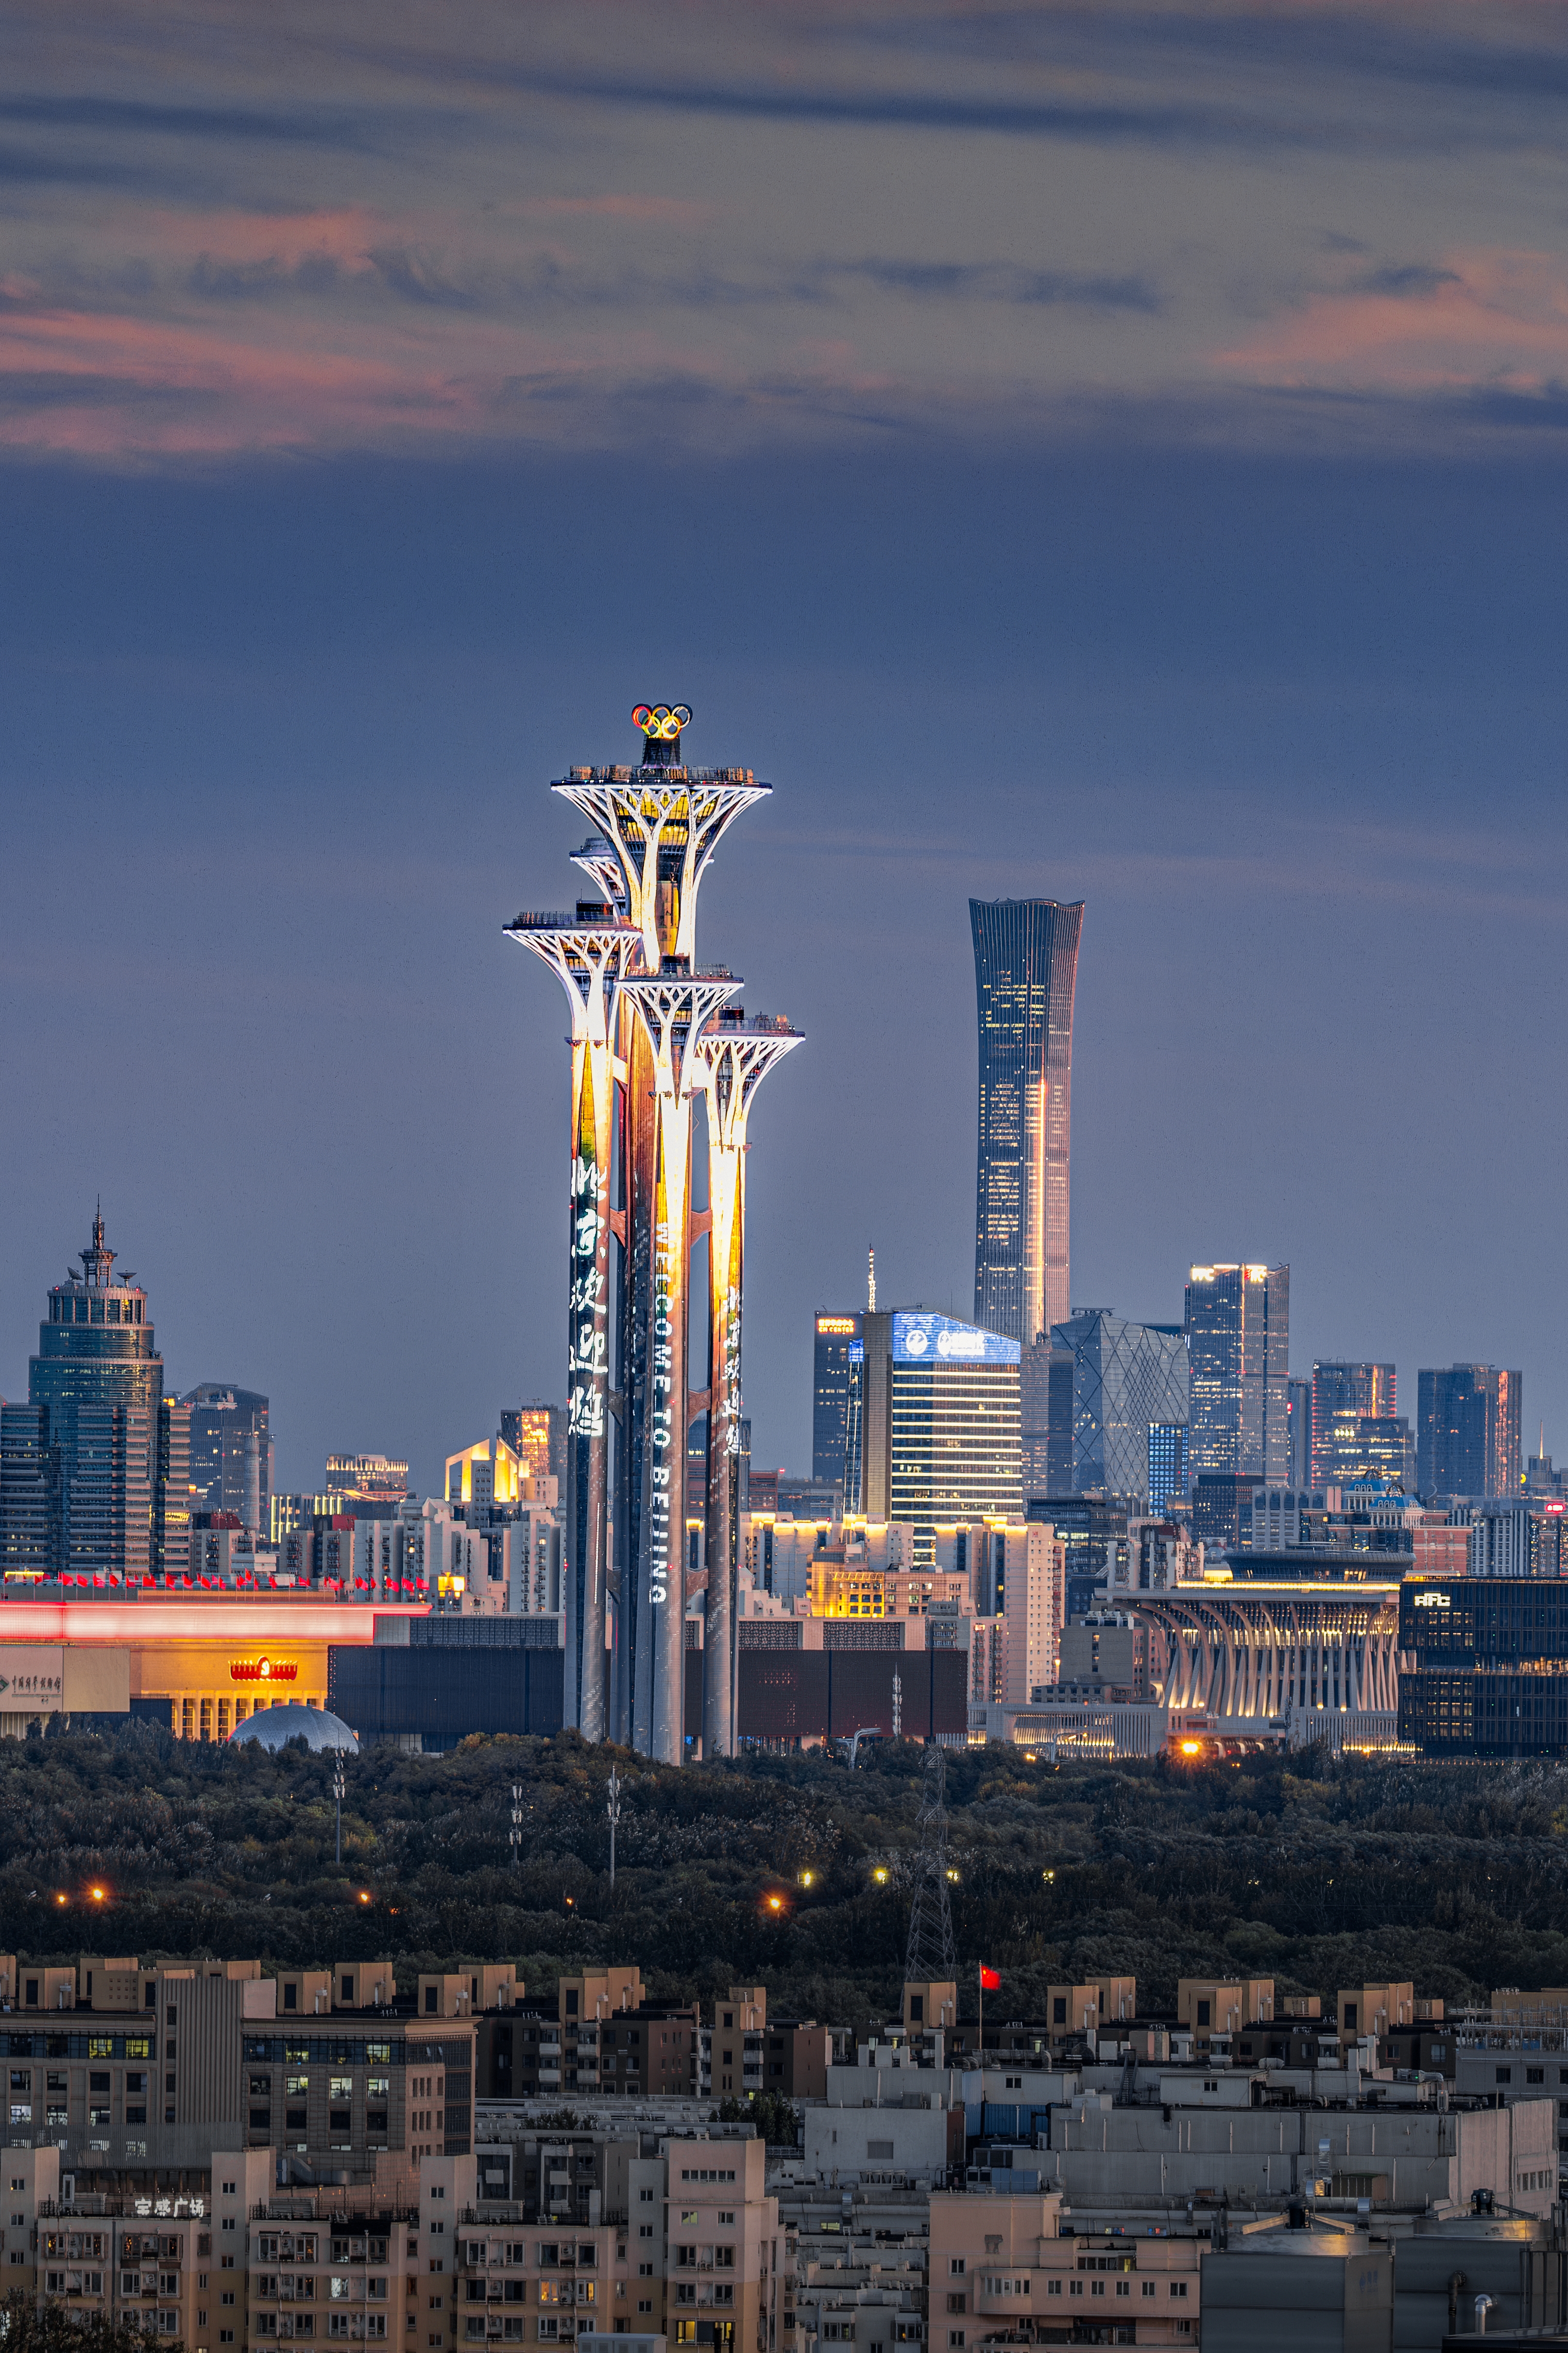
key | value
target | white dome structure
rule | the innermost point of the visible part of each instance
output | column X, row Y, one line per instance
column 274, row 1727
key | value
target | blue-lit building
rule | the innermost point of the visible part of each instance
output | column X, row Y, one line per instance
column 836, row 1354
column 941, row 1430
column 1167, row 1465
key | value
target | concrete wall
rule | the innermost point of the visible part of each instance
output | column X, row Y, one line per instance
column 915, row 2142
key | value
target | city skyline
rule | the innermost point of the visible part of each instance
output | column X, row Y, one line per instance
column 1077, row 457
column 811, row 1417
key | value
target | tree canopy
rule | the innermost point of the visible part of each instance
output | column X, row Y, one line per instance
column 792, row 1872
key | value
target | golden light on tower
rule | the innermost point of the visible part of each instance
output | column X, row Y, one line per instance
column 643, row 1018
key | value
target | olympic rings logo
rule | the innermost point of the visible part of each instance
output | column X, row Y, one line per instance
column 661, row 721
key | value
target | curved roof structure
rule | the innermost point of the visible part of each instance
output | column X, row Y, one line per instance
column 274, row 1727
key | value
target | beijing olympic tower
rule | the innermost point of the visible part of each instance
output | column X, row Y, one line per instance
column 652, row 1032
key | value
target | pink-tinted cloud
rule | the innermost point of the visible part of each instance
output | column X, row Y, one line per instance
column 346, row 235
column 1490, row 317
column 673, row 212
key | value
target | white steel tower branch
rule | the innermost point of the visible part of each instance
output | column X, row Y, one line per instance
column 663, row 826
column 586, row 958
column 731, row 1057
column 670, row 1011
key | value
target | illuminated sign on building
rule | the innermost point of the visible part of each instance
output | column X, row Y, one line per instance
column 262, row 1670
column 1431, row 1601
column 845, row 1324
column 937, row 1339
column 31, row 1679
column 662, row 721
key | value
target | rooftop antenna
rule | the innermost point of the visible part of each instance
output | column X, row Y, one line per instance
column 870, row 1283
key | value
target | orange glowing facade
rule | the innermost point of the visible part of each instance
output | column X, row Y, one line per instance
column 647, row 1041
column 213, row 1660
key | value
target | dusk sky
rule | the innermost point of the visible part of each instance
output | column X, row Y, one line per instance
column 1073, row 451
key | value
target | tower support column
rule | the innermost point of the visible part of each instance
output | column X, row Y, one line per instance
column 732, row 1059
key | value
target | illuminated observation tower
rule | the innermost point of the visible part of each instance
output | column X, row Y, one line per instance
column 652, row 1033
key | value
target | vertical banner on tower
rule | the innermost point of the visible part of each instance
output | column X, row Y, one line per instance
column 664, row 1507
column 725, row 1241
column 588, row 1367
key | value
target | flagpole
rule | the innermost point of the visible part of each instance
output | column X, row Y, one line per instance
column 980, row 1972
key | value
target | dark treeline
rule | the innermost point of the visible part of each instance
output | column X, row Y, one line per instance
column 1316, row 1872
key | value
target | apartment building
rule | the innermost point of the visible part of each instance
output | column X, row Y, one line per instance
column 1209, row 2005
column 1000, row 2267
column 743, row 2054
column 855, row 2266
column 671, row 2236
column 170, row 2261
column 359, row 2269
column 120, row 2068
column 604, row 2035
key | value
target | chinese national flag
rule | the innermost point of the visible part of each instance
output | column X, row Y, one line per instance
column 990, row 1980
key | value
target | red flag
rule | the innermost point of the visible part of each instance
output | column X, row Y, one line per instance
column 990, row 1980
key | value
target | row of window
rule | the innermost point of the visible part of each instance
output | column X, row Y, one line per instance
column 79, row 2046
column 304, row 2288
column 303, row 2324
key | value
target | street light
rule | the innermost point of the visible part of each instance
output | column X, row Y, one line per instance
column 514, row 1836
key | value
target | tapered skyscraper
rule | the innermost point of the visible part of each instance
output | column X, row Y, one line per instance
column 1025, row 966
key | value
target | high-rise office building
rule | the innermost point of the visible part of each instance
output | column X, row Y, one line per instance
column 1298, row 1409
column 1025, row 968
column 1238, row 1340
column 1046, row 1376
column 111, row 1500
column 1361, row 1446
column 373, row 1478
column 1345, row 1388
column 231, row 1452
column 1467, row 1431
column 537, row 1434
column 837, row 1355
column 1093, row 1534
column 940, row 1421
column 1127, row 1377
column 173, row 1498
column 1167, row 1465
column 97, row 1357
column 27, row 1510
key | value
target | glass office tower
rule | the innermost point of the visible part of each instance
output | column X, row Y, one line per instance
column 1467, row 1431
column 98, row 1377
column 231, row 1452
column 1127, row 1379
column 1025, row 968
column 1167, row 1465
column 835, row 1381
column 1238, row 1343
column 1341, row 1387
column 940, row 1422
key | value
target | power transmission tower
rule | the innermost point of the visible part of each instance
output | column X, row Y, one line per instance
column 932, row 1957
column 613, row 1809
